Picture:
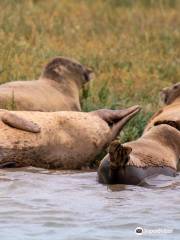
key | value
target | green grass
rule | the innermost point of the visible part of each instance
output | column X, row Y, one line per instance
column 133, row 46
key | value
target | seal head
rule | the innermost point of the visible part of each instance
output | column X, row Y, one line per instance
column 168, row 95
column 62, row 68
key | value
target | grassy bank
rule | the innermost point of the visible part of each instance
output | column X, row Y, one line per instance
column 133, row 46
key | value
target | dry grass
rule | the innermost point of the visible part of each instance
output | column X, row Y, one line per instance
column 133, row 46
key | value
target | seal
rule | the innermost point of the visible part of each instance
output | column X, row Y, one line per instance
column 156, row 152
column 170, row 113
column 58, row 140
column 57, row 89
column 170, row 94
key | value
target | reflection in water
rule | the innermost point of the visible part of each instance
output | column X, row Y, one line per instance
column 41, row 204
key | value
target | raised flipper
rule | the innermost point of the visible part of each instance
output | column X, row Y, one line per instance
column 119, row 155
column 114, row 116
column 124, row 116
column 116, row 119
column 20, row 123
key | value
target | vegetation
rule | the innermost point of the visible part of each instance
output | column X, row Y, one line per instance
column 133, row 47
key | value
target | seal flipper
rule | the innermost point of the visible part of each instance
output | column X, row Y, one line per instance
column 116, row 119
column 119, row 157
column 119, row 154
column 20, row 123
column 115, row 116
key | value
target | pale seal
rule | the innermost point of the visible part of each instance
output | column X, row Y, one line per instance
column 62, row 140
column 57, row 89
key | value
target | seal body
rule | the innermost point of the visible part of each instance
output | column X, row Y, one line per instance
column 63, row 140
column 156, row 152
column 57, row 89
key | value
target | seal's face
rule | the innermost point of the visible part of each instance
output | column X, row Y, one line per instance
column 168, row 95
column 61, row 68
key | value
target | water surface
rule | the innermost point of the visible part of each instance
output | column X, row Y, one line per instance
column 41, row 204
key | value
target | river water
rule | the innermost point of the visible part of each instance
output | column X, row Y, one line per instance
column 41, row 204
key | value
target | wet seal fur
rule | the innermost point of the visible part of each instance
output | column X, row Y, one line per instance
column 57, row 89
column 170, row 113
column 156, row 152
column 58, row 140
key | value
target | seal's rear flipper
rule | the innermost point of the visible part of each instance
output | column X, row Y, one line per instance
column 20, row 123
column 119, row 155
column 118, row 126
column 114, row 116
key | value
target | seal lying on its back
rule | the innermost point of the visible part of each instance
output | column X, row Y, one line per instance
column 156, row 152
column 63, row 140
column 170, row 114
column 57, row 89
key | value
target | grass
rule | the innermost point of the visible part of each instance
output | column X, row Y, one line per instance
column 133, row 46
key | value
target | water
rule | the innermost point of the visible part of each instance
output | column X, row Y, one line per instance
column 41, row 204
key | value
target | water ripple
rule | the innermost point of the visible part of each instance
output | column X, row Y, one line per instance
column 41, row 204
